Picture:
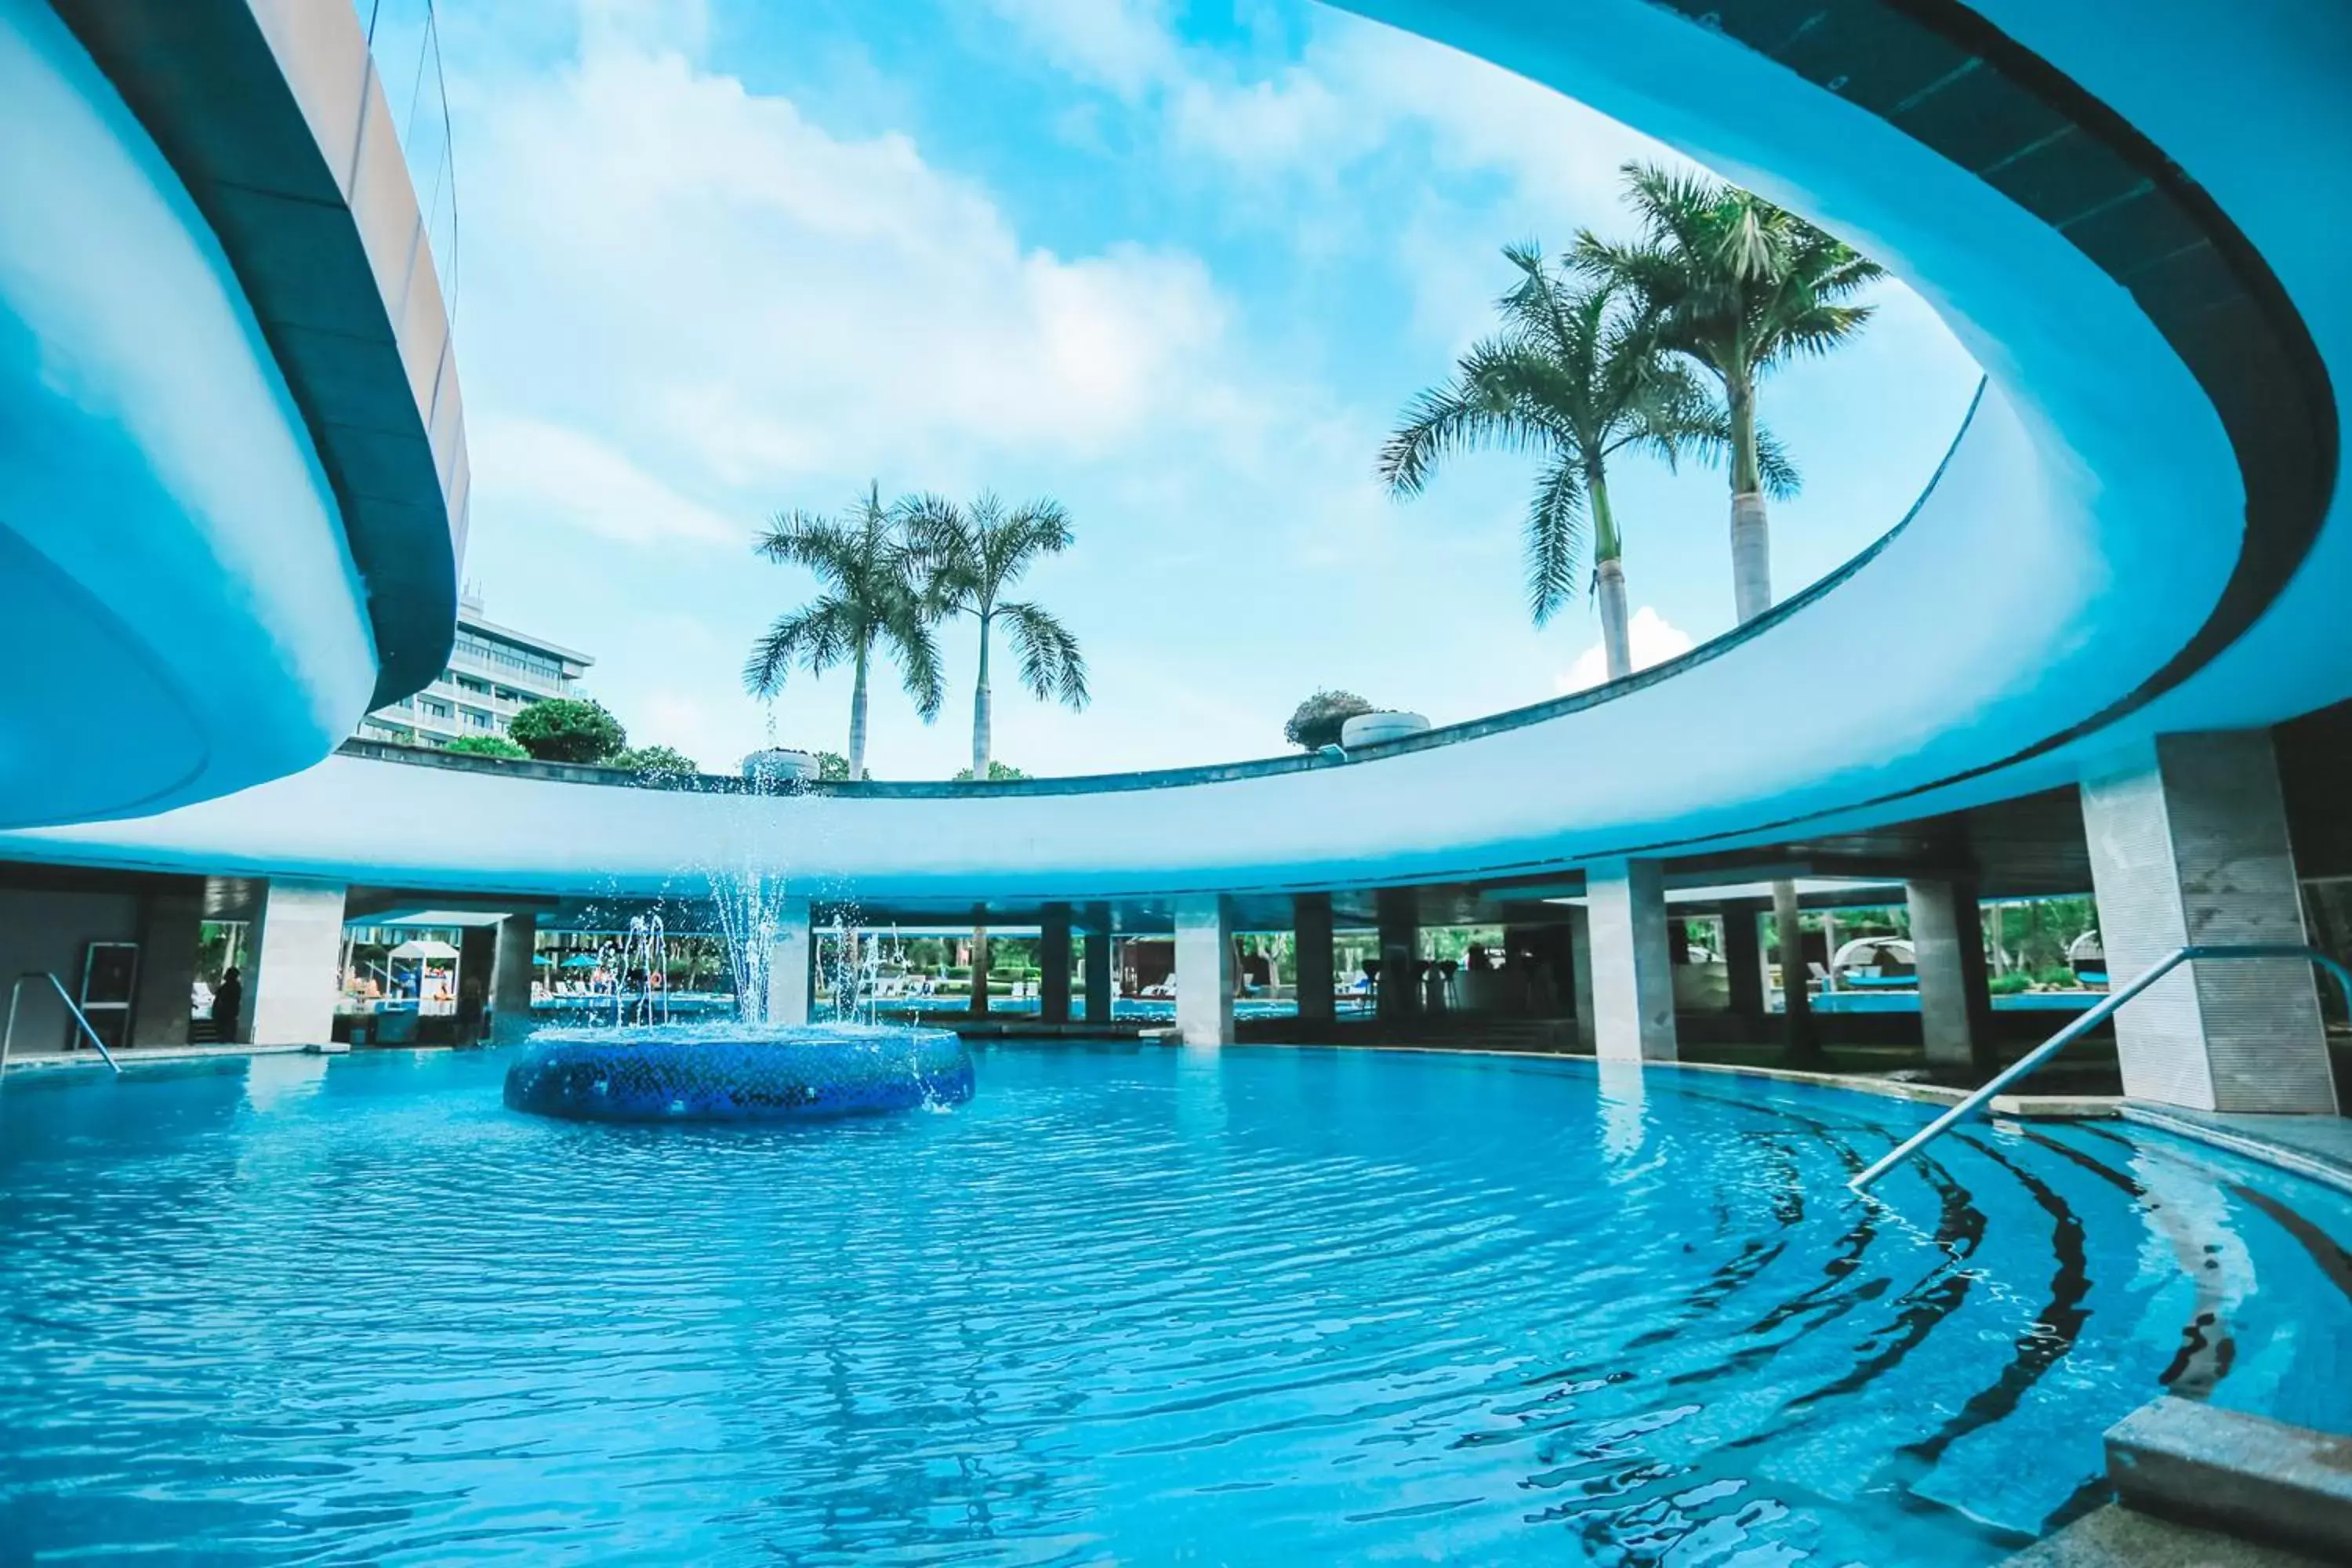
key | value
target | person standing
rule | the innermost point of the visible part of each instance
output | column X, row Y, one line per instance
column 228, row 1008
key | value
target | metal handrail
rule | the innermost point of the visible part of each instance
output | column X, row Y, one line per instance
column 2090, row 1019
column 15, row 994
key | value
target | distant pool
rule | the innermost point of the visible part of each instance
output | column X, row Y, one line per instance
column 1133, row 1303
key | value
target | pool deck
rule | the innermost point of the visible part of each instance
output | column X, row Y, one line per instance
column 2318, row 1147
column 157, row 1055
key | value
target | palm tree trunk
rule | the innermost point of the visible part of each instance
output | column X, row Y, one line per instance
column 1614, row 640
column 1608, row 574
column 1751, row 532
column 857, row 720
column 981, row 736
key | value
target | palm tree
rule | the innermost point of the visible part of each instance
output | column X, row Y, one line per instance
column 1577, row 377
column 871, row 599
column 972, row 556
column 1741, row 287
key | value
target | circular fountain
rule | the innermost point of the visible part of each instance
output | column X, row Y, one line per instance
column 738, row 1072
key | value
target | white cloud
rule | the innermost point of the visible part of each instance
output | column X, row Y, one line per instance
column 527, row 464
column 709, row 279
column 1122, row 45
column 1653, row 639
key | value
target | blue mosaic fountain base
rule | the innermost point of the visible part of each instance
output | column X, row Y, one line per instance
column 714, row 1072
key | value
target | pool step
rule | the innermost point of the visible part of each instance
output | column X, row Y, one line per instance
column 2201, row 1486
column 2115, row 1537
column 2240, row 1474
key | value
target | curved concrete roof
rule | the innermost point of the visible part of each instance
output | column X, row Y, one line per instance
column 233, row 473
column 2140, row 527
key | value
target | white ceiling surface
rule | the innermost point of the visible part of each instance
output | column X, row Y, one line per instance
column 2078, row 539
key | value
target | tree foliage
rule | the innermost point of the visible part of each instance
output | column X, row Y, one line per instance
column 972, row 557
column 658, row 762
column 998, row 773
column 1575, row 376
column 871, row 599
column 488, row 746
column 1317, row 722
column 1736, row 285
column 833, row 766
column 568, row 730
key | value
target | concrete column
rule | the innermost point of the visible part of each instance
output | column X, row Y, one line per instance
column 298, row 946
column 1053, row 965
column 477, row 949
column 1102, row 984
column 1311, row 926
column 1743, row 958
column 171, row 926
column 2188, row 845
column 1802, row 1046
column 1400, row 925
column 510, row 976
column 792, row 959
column 979, row 1000
column 1633, row 983
column 1204, row 971
column 1580, row 974
column 1955, row 998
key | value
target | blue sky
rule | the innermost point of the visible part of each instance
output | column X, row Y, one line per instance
column 1177, row 265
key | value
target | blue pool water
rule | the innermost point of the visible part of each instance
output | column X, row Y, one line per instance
column 1130, row 1304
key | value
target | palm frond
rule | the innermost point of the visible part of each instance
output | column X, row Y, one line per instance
column 1052, row 667
column 1555, row 539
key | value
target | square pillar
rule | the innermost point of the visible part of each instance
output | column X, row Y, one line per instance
column 2188, row 845
column 978, row 1000
column 171, row 927
column 1579, row 973
column 1053, row 965
column 297, row 955
column 1310, row 918
column 1204, row 971
column 1632, row 984
column 511, row 970
column 791, row 963
column 1102, row 985
column 477, row 949
column 1400, row 928
column 1743, row 958
column 1955, row 994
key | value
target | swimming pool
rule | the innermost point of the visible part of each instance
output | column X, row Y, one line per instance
column 1132, row 1303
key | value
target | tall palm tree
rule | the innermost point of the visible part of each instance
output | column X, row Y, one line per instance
column 1577, row 377
column 871, row 600
column 1741, row 287
column 972, row 556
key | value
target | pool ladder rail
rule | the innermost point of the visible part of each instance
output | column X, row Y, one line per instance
column 81, row 1019
column 2033, row 1059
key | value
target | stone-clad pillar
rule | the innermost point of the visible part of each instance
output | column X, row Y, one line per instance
column 1955, row 994
column 1580, row 974
column 511, row 970
column 1204, row 971
column 171, row 928
column 1102, row 983
column 792, row 960
column 1633, row 980
column 1400, row 928
column 1311, row 925
column 2188, row 847
column 1743, row 959
column 297, row 949
column 1054, row 965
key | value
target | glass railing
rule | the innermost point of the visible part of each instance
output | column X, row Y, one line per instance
column 404, row 35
